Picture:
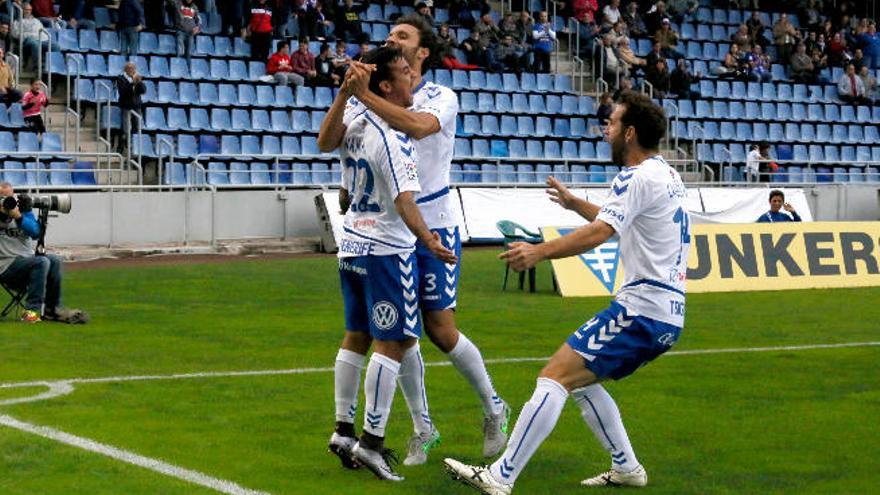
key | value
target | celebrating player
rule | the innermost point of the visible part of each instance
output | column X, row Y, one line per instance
column 646, row 209
column 377, row 266
column 431, row 124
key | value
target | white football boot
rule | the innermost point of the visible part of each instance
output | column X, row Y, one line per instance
column 477, row 477
column 419, row 446
column 636, row 477
column 495, row 431
column 380, row 463
column 341, row 446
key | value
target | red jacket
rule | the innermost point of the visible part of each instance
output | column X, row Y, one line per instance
column 43, row 8
column 275, row 62
column 261, row 19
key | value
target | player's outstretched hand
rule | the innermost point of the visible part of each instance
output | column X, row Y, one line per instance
column 521, row 255
column 560, row 194
column 788, row 207
column 440, row 251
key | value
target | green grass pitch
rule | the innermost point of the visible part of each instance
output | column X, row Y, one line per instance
column 796, row 421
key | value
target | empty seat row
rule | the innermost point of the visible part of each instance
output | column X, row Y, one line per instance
column 188, row 145
column 489, row 125
column 28, row 142
column 753, row 91
column 767, row 111
column 239, row 173
column 48, row 174
column 533, row 148
column 508, row 82
column 238, row 120
column 527, row 173
column 775, row 132
column 99, row 65
column 520, row 103
column 84, row 40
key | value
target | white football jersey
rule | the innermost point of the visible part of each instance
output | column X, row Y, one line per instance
column 435, row 151
column 646, row 208
column 378, row 164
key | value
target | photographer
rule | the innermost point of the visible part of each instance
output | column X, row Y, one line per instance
column 21, row 267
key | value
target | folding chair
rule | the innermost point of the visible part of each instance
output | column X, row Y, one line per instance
column 16, row 295
column 510, row 231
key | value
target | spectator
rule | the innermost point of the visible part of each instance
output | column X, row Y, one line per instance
column 8, row 92
column 509, row 57
column 188, row 25
column 303, row 62
column 41, row 275
column 78, row 14
column 130, row 21
column 802, row 69
column 364, row 48
column 811, row 42
column 654, row 17
column 668, row 39
column 130, row 87
column 340, row 60
column 324, row 68
column 611, row 14
column 614, row 68
column 445, row 39
column 820, row 63
column 850, row 87
column 544, row 36
column 870, row 42
column 777, row 202
column 654, row 55
column 870, row 84
column 489, row 32
column 28, row 27
column 658, row 76
column 626, row 84
column 757, row 164
column 317, row 23
column 618, row 32
column 5, row 37
column 836, row 50
column 628, row 57
column 348, row 22
column 508, row 26
column 281, row 10
column 634, row 22
column 858, row 59
column 730, row 66
column 682, row 79
column 683, row 9
column 232, row 16
column 758, row 65
column 474, row 51
column 742, row 38
column 584, row 11
column 424, row 11
column 280, row 68
column 785, row 36
column 156, row 13
column 524, row 25
column 603, row 111
column 44, row 10
column 756, row 30
column 260, row 29
column 810, row 16
column 32, row 104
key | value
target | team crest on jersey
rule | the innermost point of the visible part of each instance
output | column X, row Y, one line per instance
column 602, row 261
column 412, row 172
column 384, row 315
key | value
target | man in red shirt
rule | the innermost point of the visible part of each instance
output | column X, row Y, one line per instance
column 281, row 69
column 260, row 29
column 303, row 62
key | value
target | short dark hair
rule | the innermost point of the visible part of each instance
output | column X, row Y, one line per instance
column 382, row 57
column 427, row 38
column 776, row 192
column 648, row 118
column 282, row 44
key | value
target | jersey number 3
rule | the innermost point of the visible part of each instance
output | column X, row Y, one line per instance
column 362, row 203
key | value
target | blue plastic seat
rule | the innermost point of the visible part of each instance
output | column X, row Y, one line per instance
column 462, row 148
column 155, row 119
column 251, row 145
column 503, row 103
column 109, row 41
column 280, row 121
column 508, row 125
column 480, row 148
column 520, row 104
column 96, row 65
column 230, row 145
column 310, row 145
column 241, row 119
column 525, row 126
column 177, row 119
column 167, row 44
column 467, row 102
column 217, row 174
column 498, row 148
column 187, row 146
column 323, row 97
column 603, row 151
column 174, row 174
column 220, row 120
column 266, row 96
column 477, row 80
column 261, row 120
column 485, row 103
column 208, row 94
column 198, row 119
column 587, row 150
column 536, row 104
column 561, row 128
column 551, row 149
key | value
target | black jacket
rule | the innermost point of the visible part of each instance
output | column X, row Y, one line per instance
column 129, row 93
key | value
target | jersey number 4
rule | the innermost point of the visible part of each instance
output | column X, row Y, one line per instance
column 361, row 199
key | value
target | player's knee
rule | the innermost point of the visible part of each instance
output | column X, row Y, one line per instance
column 358, row 342
column 441, row 329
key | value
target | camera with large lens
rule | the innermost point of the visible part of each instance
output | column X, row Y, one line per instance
column 8, row 202
column 52, row 202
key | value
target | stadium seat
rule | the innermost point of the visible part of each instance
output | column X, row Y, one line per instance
column 177, row 119
column 462, row 148
column 174, row 174
column 534, row 149
column 260, row 174
column 239, row 173
column 587, row 150
column 498, row 148
column 480, row 148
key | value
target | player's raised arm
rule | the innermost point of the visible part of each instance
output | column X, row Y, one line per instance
column 522, row 255
column 405, row 204
column 560, row 195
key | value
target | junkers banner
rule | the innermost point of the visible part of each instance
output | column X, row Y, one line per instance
column 744, row 257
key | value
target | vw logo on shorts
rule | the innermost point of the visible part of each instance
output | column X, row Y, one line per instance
column 384, row 315
column 667, row 339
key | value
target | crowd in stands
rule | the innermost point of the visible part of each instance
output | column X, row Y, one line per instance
column 831, row 34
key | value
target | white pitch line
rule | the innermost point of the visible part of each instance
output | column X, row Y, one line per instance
column 118, row 454
column 300, row 371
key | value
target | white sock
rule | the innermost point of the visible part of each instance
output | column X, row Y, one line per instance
column 412, row 382
column 379, row 386
column 536, row 420
column 601, row 414
column 469, row 362
column 348, row 380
